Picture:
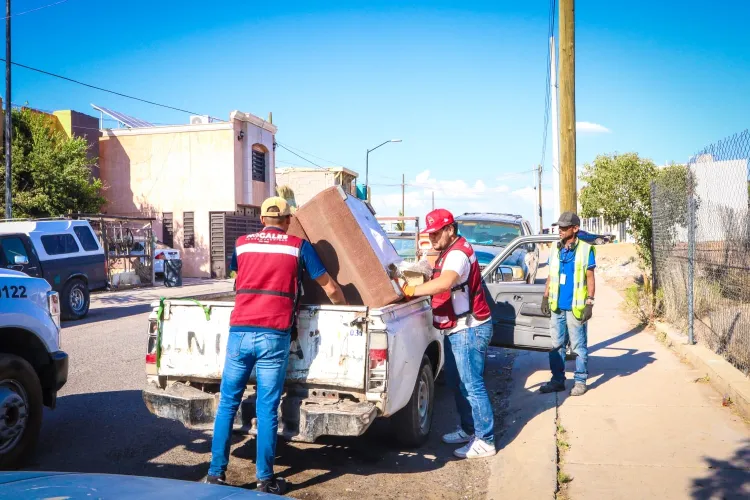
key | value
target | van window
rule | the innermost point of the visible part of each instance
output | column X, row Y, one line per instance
column 59, row 244
column 86, row 238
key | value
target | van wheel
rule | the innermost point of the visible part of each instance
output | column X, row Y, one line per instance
column 20, row 411
column 75, row 300
column 413, row 422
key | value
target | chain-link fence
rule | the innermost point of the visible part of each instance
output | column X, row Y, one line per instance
column 701, row 253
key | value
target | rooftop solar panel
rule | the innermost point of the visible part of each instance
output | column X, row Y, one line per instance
column 126, row 120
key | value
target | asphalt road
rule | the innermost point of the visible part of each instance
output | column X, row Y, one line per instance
column 101, row 425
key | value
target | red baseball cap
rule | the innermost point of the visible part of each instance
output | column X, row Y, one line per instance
column 437, row 220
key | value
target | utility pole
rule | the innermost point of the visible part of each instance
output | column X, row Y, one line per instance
column 8, row 122
column 539, row 188
column 555, row 132
column 568, row 195
column 403, row 194
column 433, row 200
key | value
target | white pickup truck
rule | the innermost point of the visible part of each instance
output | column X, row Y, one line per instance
column 32, row 366
column 348, row 366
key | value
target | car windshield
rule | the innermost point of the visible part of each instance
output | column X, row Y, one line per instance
column 405, row 248
column 494, row 234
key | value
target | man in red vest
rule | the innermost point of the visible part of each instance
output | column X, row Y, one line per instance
column 269, row 267
column 460, row 310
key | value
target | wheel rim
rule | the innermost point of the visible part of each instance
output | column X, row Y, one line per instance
column 77, row 299
column 14, row 414
column 423, row 403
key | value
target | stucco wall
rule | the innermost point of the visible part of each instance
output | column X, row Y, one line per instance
column 172, row 169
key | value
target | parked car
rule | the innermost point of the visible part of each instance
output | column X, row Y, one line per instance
column 32, row 366
column 73, row 485
column 64, row 252
column 160, row 255
column 595, row 239
column 490, row 233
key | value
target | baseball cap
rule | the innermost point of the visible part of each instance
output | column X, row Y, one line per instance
column 568, row 219
column 281, row 205
column 437, row 220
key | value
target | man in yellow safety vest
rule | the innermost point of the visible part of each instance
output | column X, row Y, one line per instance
column 569, row 297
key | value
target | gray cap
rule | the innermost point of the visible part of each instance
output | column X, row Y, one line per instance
column 568, row 219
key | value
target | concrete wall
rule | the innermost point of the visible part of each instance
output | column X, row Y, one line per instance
column 76, row 124
column 172, row 169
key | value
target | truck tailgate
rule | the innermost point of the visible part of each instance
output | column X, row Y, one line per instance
column 331, row 348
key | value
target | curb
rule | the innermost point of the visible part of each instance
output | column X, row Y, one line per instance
column 723, row 377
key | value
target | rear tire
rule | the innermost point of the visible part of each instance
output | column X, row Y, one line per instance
column 20, row 411
column 412, row 423
column 75, row 300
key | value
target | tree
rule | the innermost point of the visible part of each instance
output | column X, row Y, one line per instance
column 50, row 174
column 618, row 189
column 401, row 225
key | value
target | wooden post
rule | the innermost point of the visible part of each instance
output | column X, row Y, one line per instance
column 568, row 192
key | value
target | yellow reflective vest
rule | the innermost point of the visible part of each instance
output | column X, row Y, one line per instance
column 580, row 288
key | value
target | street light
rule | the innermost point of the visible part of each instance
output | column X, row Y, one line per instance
column 367, row 165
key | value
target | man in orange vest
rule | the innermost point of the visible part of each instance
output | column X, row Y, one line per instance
column 269, row 267
column 460, row 310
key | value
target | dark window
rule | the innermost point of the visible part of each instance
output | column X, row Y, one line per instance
column 259, row 166
column 13, row 247
column 188, row 223
column 168, row 230
column 59, row 244
column 86, row 238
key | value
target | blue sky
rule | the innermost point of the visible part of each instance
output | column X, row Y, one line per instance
column 462, row 83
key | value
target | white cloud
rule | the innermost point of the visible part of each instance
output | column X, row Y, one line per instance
column 591, row 128
column 529, row 195
column 456, row 195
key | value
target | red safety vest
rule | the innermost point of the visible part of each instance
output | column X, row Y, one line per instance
column 268, row 280
column 444, row 315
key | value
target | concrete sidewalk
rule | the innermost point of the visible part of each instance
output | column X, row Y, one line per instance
column 647, row 428
column 201, row 288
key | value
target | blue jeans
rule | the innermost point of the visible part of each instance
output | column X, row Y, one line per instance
column 465, row 353
column 268, row 352
column 566, row 324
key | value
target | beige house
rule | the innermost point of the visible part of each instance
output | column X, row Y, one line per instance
column 191, row 178
column 307, row 182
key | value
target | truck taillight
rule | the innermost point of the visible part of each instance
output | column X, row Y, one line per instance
column 152, row 339
column 378, row 359
column 161, row 256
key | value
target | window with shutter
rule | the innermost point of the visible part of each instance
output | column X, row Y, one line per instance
column 259, row 166
column 167, row 230
column 188, row 225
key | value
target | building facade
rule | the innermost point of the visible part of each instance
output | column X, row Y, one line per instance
column 181, row 175
column 307, row 182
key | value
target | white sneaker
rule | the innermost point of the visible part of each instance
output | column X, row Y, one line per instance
column 477, row 448
column 457, row 437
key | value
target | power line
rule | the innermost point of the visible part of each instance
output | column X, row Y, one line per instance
column 34, row 10
column 547, row 98
column 297, row 155
column 95, row 87
column 310, row 154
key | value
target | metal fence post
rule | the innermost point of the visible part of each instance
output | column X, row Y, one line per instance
column 691, row 256
column 653, row 251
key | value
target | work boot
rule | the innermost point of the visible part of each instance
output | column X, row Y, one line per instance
column 277, row 486
column 579, row 389
column 552, row 386
column 216, row 479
